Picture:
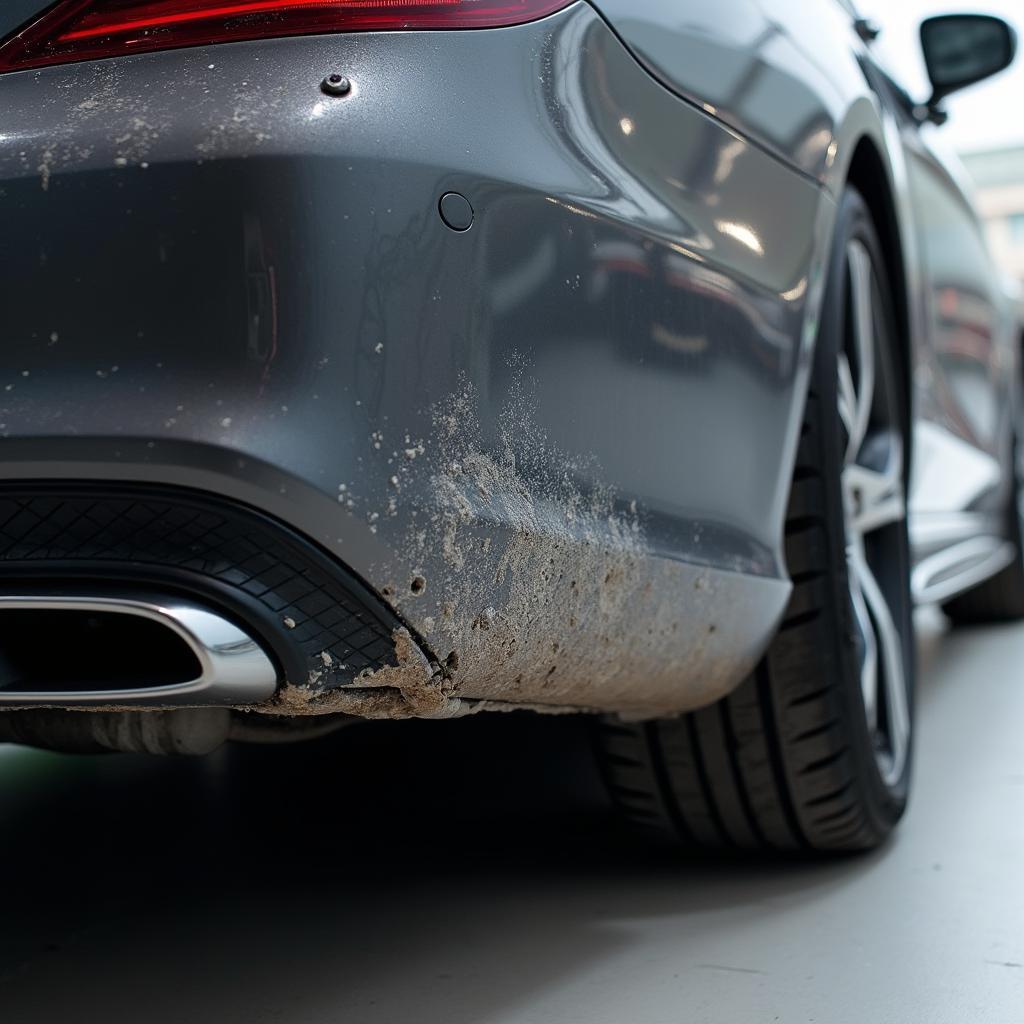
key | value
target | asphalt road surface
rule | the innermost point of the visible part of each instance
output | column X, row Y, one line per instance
column 466, row 873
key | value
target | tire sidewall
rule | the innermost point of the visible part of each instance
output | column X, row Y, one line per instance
column 854, row 222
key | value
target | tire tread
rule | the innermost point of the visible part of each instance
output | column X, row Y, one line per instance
column 771, row 767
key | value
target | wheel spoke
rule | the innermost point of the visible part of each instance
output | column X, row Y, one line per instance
column 847, row 396
column 891, row 677
column 875, row 497
column 863, row 339
column 868, row 645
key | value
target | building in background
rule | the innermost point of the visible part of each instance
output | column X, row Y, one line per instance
column 998, row 176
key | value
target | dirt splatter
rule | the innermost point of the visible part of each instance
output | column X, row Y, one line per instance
column 544, row 590
column 45, row 168
column 413, row 688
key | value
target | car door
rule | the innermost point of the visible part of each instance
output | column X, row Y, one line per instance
column 964, row 369
column 964, row 348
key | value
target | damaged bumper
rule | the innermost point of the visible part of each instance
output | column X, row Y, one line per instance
column 555, row 445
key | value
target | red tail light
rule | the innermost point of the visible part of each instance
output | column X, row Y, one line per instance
column 87, row 29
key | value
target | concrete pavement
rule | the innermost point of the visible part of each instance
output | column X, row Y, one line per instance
column 465, row 873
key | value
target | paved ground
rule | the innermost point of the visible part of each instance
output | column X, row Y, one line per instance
column 463, row 872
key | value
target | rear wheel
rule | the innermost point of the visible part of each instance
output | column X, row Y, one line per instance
column 812, row 751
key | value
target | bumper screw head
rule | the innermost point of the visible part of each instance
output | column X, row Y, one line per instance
column 336, row 85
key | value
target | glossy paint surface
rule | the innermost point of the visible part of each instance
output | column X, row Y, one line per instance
column 262, row 299
column 321, row 225
column 218, row 277
column 794, row 76
column 756, row 64
column 14, row 13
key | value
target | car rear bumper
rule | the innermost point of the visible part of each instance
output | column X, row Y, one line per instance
column 557, row 444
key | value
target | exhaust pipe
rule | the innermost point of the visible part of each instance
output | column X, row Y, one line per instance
column 139, row 651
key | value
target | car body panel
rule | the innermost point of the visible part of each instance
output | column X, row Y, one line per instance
column 573, row 425
column 966, row 383
column 15, row 13
column 261, row 298
column 755, row 64
column 759, row 65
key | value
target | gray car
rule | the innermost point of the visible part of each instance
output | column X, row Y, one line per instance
column 420, row 358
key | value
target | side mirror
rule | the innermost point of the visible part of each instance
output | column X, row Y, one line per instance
column 961, row 49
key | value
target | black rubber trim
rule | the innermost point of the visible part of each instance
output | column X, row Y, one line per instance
column 322, row 623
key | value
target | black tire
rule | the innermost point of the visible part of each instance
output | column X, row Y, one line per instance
column 1001, row 598
column 788, row 761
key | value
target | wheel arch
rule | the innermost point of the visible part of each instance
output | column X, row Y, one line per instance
column 868, row 174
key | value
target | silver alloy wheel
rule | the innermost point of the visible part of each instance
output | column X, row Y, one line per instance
column 873, row 500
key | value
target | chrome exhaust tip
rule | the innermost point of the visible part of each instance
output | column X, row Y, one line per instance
column 70, row 650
